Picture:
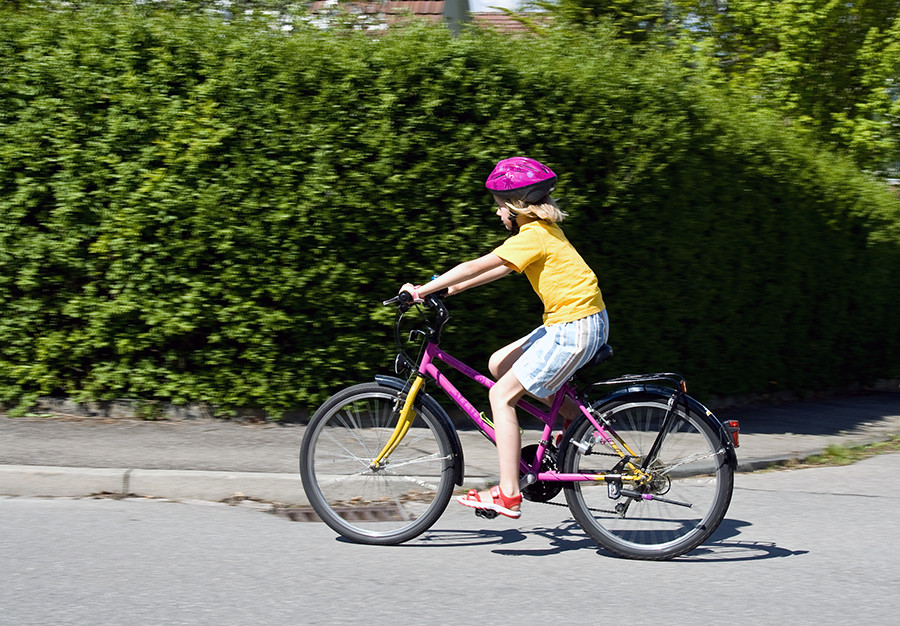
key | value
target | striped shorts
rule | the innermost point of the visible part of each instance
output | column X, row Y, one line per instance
column 553, row 353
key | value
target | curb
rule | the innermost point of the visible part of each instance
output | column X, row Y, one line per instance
column 182, row 485
column 47, row 481
column 78, row 482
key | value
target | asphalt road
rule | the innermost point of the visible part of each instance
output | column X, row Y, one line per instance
column 803, row 546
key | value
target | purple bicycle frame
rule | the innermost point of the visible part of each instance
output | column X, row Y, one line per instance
column 428, row 369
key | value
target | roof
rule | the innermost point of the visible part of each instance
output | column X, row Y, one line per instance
column 430, row 9
column 433, row 10
column 504, row 22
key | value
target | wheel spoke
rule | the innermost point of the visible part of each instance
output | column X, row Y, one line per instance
column 340, row 443
column 676, row 507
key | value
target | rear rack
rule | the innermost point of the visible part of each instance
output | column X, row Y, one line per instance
column 676, row 380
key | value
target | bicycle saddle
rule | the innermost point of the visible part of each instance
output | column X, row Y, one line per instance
column 604, row 353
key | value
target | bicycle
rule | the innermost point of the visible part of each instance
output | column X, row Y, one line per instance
column 647, row 471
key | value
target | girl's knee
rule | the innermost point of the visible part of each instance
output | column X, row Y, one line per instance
column 494, row 364
column 495, row 397
column 506, row 391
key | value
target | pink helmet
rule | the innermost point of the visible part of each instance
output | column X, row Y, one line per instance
column 521, row 178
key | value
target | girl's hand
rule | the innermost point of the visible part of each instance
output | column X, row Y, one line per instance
column 411, row 290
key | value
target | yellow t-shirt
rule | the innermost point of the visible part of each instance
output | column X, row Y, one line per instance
column 566, row 285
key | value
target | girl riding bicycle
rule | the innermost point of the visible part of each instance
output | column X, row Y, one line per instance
column 575, row 323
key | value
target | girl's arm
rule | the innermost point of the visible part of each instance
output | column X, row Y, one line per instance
column 465, row 275
column 482, row 279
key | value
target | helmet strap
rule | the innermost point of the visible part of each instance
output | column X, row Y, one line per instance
column 513, row 220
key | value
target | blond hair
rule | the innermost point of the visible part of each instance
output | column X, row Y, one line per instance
column 546, row 209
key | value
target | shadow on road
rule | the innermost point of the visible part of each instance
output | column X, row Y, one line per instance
column 723, row 546
column 562, row 538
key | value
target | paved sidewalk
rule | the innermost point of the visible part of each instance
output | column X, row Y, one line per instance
column 218, row 460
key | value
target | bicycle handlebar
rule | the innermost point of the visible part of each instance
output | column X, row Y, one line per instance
column 405, row 299
column 432, row 332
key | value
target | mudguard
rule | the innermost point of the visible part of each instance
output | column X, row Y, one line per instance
column 438, row 411
column 664, row 393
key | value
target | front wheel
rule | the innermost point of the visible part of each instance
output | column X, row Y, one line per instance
column 385, row 503
column 682, row 497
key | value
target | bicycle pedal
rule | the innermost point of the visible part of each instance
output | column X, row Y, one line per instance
column 485, row 513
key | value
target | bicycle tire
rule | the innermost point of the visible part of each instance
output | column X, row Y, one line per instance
column 389, row 504
column 691, row 468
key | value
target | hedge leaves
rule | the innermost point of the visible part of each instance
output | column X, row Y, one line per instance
column 201, row 210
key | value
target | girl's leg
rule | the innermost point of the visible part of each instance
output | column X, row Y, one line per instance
column 501, row 362
column 503, row 397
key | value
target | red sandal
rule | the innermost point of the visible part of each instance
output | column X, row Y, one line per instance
column 499, row 502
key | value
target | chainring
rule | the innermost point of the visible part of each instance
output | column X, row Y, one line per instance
column 542, row 490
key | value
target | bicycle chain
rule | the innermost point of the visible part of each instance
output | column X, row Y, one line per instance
column 589, row 508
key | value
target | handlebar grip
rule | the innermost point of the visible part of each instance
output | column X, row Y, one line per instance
column 403, row 298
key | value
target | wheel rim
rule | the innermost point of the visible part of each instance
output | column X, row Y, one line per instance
column 689, row 469
column 394, row 500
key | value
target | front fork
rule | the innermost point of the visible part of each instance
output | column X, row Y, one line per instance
column 403, row 423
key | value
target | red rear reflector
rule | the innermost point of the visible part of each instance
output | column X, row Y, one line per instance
column 734, row 428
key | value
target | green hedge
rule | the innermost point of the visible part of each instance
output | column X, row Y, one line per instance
column 195, row 210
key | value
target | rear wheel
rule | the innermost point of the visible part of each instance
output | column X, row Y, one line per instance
column 388, row 503
column 680, row 501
